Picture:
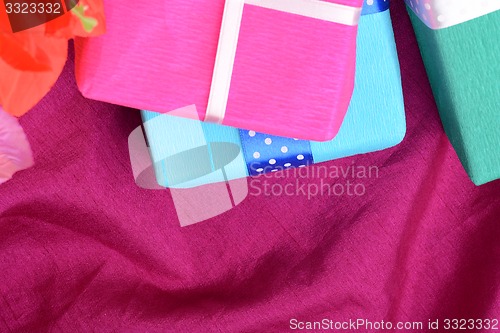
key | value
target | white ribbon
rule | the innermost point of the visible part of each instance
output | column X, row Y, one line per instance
column 230, row 29
column 439, row 14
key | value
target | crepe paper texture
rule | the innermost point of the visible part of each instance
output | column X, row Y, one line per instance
column 84, row 249
column 291, row 79
column 32, row 59
column 375, row 121
column 15, row 150
column 464, row 71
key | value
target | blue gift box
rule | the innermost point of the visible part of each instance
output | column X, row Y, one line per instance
column 188, row 153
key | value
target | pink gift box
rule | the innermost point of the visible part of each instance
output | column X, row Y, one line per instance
column 293, row 73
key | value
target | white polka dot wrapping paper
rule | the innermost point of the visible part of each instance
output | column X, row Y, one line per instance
column 375, row 121
column 439, row 14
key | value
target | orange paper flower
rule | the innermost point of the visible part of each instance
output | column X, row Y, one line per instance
column 31, row 60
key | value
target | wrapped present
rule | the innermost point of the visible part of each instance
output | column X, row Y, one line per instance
column 230, row 59
column 459, row 42
column 188, row 153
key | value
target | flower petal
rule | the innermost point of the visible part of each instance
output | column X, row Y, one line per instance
column 86, row 19
column 31, row 60
column 20, row 90
column 18, row 50
column 15, row 150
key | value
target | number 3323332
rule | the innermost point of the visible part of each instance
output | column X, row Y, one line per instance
column 33, row 8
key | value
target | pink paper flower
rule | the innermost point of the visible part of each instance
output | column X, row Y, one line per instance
column 15, row 150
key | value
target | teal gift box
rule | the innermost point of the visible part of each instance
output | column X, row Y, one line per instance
column 459, row 43
column 188, row 153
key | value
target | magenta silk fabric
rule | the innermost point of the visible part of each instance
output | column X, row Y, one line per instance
column 83, row 249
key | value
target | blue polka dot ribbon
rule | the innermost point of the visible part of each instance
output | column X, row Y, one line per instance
column 374, row 6
column 268, row 153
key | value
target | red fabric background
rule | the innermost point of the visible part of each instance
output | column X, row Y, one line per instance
column 82, row 249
